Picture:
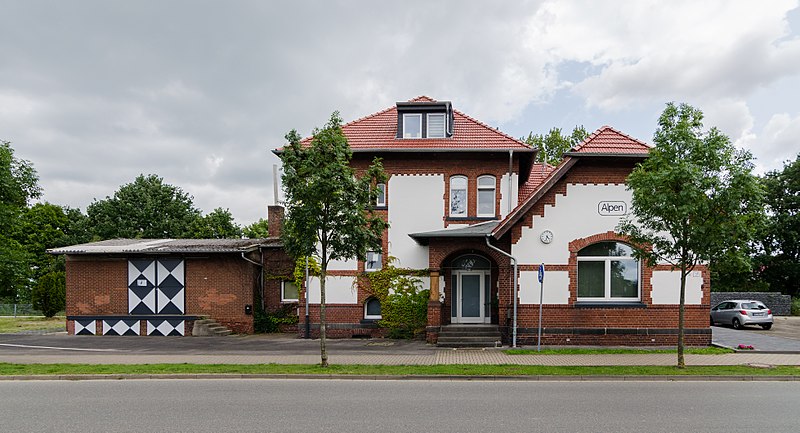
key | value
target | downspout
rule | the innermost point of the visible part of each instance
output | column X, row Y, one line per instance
column 514, row 287
column 510, row 183
column 260, row 274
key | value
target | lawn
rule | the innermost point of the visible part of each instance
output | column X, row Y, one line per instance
column 393, row 370
column 13, row 325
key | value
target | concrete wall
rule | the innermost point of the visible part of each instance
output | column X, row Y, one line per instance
column 781, row 305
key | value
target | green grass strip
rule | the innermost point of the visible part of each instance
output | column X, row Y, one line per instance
column 402, row 370
column 617, row 351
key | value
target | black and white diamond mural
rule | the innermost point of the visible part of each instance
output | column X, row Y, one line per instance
column 85, row 327
column 169, row 290
column 156, row 286
column 121, row 327
column 141, row 286
column 165, row 327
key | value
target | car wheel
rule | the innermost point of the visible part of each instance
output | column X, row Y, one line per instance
column 767, row 326
column 737, row 324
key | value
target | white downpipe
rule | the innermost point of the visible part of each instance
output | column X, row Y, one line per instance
column 514, row 288
column 510, row 186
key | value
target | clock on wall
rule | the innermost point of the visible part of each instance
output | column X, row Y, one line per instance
column 546, row 237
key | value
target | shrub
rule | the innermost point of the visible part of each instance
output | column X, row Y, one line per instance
column 796, row 306
column 49, row 294
column 271, row 321
column 405, row 311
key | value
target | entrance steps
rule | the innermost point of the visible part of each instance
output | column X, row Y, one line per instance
column 209, row 328
column 469, row 336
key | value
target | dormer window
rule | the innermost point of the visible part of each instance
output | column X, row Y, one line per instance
column 436, row 125
column 412, row 125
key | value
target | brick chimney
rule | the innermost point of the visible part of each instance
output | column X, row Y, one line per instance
column 275, row 220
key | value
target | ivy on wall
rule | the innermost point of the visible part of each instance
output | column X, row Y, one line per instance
column 404, row 304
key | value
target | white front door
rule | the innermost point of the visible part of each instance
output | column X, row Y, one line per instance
column 471, row 298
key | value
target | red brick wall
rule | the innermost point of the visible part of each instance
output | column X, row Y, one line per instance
column 96, row 286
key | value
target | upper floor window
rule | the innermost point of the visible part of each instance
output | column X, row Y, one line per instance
column 412, row 125
column 458, row 196
column 486, row 196
column 436, row 125
column 381, row 200
column 374, row 261
column 607, row 271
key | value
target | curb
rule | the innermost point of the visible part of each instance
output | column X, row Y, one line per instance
column 488, row 378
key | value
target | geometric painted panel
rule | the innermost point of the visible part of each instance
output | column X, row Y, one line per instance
column 121, row 327
column 165, row 327
column 85, row 327
column 170, row 292
column 141, row 286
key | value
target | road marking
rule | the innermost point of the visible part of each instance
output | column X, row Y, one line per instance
column 58, row 348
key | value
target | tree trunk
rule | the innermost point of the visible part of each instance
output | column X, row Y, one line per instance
column 681, row 362
column 322, row 337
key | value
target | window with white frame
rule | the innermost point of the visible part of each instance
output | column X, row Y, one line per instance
column 486, row 196
column 289, row 292
column 374, row 261
column 412, row 125
column 436, row 125
column 607, row 271
column 372, row 309
column 381, row 200
column 458, row 196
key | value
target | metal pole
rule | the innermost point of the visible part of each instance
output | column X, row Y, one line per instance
column 541, row 301
column 308, row 324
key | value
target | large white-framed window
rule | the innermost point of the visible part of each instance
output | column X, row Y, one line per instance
column 458, row 196
column 374, row 261
column 607, row 271
column 372, row 309
column 412, row 125
column 486, row 196
column 289, row 292
column 381, row 200
column 436, row 125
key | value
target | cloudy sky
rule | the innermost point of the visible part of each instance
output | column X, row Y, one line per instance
column 94, row 93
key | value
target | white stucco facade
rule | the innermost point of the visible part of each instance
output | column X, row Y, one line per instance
column 338, row 290
column 556, row 287
column 503, row 193
column 416, row 205
column 667, row 288
column 574, row 216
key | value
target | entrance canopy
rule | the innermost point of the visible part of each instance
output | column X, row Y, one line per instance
column 476, row 231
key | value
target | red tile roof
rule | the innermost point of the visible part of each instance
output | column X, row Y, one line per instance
column 608, row 140
column 539, row 172
column 378, row 132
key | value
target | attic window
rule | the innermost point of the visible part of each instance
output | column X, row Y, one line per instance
column 412, row 125
column 436, row 124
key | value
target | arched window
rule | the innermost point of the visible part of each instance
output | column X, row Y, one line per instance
column 458, row 196
column 486, row 196
column 607, row 271
column 372, row 309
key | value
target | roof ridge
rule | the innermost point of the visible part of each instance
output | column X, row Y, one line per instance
column 422, row 97
column 602, row 129
column 478, row 122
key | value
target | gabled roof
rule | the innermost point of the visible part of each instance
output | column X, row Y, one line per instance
column 164, row 246
column 378, row 133
column 608, row 141
column 538, row 173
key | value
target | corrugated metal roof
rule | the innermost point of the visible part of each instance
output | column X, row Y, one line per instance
column 163, row 246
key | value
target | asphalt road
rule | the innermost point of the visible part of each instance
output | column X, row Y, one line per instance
column 397, row 406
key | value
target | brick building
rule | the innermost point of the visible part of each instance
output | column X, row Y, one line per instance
column 467, row 205
column 462, row 198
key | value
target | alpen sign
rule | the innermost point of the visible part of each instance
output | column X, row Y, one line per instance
column 612, row 208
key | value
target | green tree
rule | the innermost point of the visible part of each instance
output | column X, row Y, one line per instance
column 19, row 184
column 328, row 206
column 145, row 208
column 778, row 260
column 694, row 198
column 218, row 224
column 553, row 145
column 259, row 229
column 49, row 293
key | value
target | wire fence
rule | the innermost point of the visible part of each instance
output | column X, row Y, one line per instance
column 19, row 310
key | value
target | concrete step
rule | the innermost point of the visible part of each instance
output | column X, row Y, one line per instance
column 469, row 336
column 209, row 327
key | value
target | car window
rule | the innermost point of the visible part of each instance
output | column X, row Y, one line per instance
column 749, row 305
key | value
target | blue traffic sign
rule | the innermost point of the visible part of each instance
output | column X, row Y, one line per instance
column 541, row 272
